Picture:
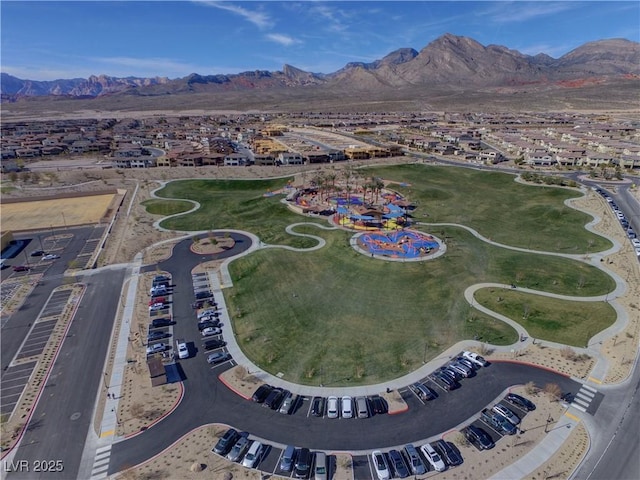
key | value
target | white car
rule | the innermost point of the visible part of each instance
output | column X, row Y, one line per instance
column 206, row 313
column 183, row 350
column 156, row 347
column 157, row 306
column 635, row 242
column 50, row 256
column 433, row 458
column 380, row 465
column 475, row 358
column 347, row 407
column 253, row 455
column 506, row 413
column 332, row 407
column 207, row 332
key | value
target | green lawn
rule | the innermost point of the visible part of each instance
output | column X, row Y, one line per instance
column 570, row 323
column 166, row 207
column 496, row 206
column 337, row 317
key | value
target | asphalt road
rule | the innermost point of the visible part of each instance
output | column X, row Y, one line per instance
column 206, row 400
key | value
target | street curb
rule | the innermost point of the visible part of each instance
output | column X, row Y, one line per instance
column 530, row 365
column 231, row 388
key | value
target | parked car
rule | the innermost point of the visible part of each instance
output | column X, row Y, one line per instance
column 317, row 406
column 183, row 348
column 433, row 457
column 38, row 253
column 332, row 407
column 422, row 391
column 261, row 393
column 414, row 461
column 238, row 450
column 273, row 399
column 287, row 403
column 157, row 300
column 520, row 401
column 462, row 369
column 208, row 324
column 320, row 468
column 21, row 268
column 156, row 335
column 207, row 312
column 362, row 408
column 209, row 331
column 213, row 344
column 449, row 453
column 218, row 357
column 478, row 437
column 161, row 322
column 506, row 413
column 347, row 407
column 50, row 256
column 468, row 363
column 397, row 463
column 499, row 423
column 156, row 347
column 158, row 290
column 203, row 295
column 288, row 458
column 303, row 463
column 475, row 358
column 378, row 405
column 227, row 441
column 380, row 465
column 252, row 458
column 158, row 306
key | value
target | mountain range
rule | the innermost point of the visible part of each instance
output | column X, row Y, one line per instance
column 450, row 61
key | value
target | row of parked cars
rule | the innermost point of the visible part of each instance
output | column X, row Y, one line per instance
column 448, row 376
column 282, row 400
column 299, row 462
column 210, row 325
column 159, row 303
column 501, row 418
column 410, row 461
column 633, row 237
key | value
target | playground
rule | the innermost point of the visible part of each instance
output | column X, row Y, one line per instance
column 399, row 244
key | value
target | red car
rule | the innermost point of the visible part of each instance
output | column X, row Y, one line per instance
column 153, row 301
column 20, row 268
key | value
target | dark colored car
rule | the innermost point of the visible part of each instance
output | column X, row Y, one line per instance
column 520, row 401
column 213, row 344
column 161, row 322
column 303, row 463
column 208, row 323
column 317, row 407
column 397, row 462
column 227, row 441
column 449, row 452
column 20, row 268
column 378, row 405
column 467, row 362
column 478, row 437
column 273, row 399
column 37, row 253
column 157, row 335
column 261, row 393
column 203, row 295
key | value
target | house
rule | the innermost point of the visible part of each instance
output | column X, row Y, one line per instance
column 290, row 158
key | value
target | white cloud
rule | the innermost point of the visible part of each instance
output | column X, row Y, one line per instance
column 285, row 40
column 259, row 19
column 510, row 12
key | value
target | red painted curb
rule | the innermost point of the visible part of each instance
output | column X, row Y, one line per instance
column 531, row 365
column 231, row 388
column 166, row 414
column 396, row 412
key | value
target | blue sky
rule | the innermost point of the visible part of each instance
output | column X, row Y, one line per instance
column 50, row 40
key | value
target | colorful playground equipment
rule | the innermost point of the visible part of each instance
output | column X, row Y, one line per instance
column 408, row 244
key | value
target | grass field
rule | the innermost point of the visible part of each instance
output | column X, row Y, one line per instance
column 337, row 317
column 166, row 207
column 570, row 323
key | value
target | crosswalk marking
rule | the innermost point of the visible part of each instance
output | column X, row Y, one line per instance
column 101, row 463
column 583, row 398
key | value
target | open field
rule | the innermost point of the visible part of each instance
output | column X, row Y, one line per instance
column 560, row 321
column 157, row 206
column 54, row 213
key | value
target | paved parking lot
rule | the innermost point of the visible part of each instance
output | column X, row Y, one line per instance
column 12, row 385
